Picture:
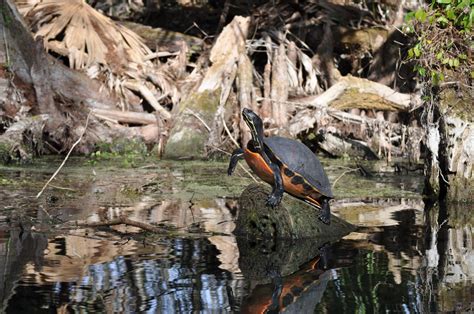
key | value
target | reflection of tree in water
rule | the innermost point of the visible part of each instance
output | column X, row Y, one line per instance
column 414, row 266
column 21, row 248
column 407, row 267
column 448, row 265
column 187, row 280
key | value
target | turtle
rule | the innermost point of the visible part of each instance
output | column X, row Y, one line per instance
column 286, row 164
column 282, row 292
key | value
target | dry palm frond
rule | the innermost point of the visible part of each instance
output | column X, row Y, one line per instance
column 86, row 37
column 105, row 50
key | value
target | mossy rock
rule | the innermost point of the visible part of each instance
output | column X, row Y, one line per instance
column 189, row 135
column 292, row 219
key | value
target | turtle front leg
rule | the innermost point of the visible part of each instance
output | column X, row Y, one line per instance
column 237, row 155
column 325, row 214
column 274, row 199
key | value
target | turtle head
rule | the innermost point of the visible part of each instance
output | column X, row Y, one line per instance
column 255, row 125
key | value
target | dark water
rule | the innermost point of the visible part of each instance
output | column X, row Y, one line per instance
column 404, row 257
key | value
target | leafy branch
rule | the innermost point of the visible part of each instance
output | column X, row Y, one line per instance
column 443, row 45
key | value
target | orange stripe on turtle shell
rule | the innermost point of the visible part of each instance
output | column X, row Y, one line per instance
column 313, row 201
column 299, row 191
column 264, row 172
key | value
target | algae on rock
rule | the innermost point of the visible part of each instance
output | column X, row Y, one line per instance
column 292, row 219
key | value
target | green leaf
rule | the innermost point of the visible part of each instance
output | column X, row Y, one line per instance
column 421, row 15
column 455, row 62
column 435, row 77
column 439, row 55
column 417, row 50
column 471, row 18
column 410, row 53
column 462, row 56
column 472, row 74
column 451, row 62
column 442, row 19
column 409, row 16
column 444, row 1
column 463, row 4
column 450, row 14
column 445, row 60
column 422, row 71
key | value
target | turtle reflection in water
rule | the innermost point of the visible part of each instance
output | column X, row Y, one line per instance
column 279, row 295
column 287, row 165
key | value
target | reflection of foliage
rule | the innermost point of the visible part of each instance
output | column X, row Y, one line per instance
column 443, row 45
column 369, row 287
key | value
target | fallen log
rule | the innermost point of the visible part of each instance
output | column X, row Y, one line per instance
column 378, row 131
column 337, row 146
column 122, row 220
column 125, row 116
column 387, row 97
column 292, row 219
column 349, row 93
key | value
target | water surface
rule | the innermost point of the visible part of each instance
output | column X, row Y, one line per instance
column 404, row 256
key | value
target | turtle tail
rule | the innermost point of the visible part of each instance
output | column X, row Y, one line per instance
column 325, row 213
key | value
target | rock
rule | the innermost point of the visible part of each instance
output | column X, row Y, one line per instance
column 292, row 219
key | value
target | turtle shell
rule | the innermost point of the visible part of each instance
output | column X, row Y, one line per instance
column 300, row 159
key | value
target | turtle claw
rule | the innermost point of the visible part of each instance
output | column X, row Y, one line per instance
column 274, row 200
column 325, row 218
column 325, row 213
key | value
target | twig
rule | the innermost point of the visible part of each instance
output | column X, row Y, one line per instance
column 160, row 54
column 149, row 97
column 344, row 173
column 62, row 188
column 249, row 173
column 199, row 118
column 46, row 212
column 7, row 51
column 229, row 134
column 122, row 220
column 67, row 156
column 219, row 149
column 237, row 145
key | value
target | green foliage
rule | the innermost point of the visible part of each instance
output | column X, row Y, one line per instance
column 444, row 40
column 127, row 152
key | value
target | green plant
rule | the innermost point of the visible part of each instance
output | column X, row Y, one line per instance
column 127, row 152
column 443, row 44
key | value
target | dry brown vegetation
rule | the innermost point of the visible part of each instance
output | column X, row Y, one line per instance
column 327, row 72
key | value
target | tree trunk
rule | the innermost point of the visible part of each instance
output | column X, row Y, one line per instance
column 59, row 97
column 450, row 143
column 280, row 86
column 198, row 110
column 292, row 219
